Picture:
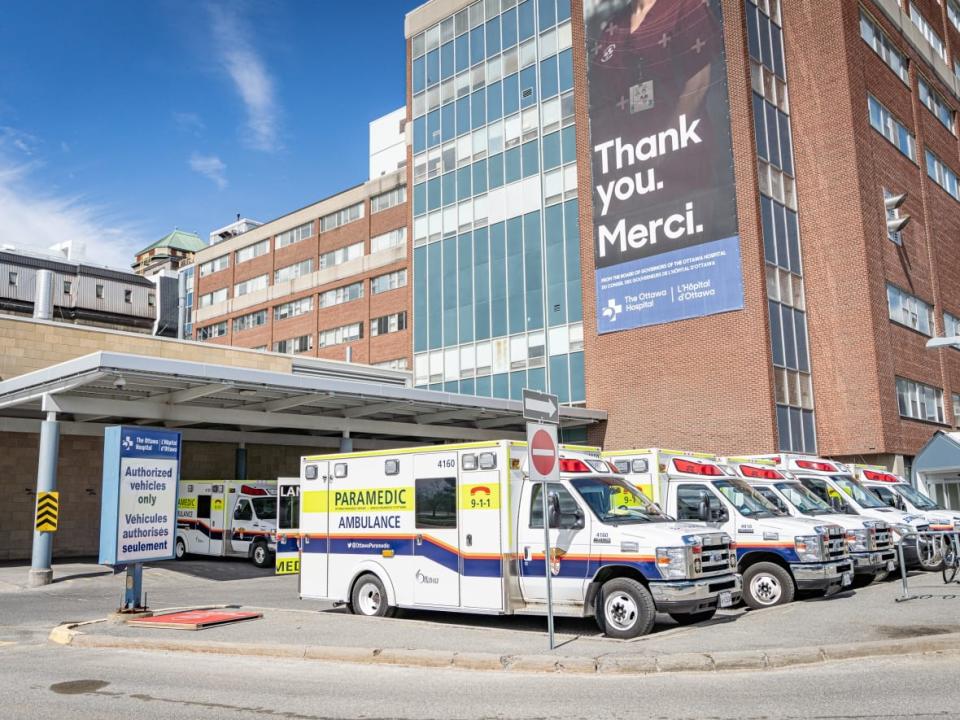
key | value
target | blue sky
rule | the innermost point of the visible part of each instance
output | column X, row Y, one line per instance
column 122, row 120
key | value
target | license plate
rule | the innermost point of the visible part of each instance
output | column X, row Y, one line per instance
column 726, row 599
column 891, row 565
column 846, row 579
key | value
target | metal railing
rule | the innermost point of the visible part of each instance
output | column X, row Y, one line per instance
column 938, row 549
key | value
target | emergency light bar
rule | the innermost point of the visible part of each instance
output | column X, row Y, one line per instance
column 695, row 468
column 816, row 465
column 573, row 465
column 250, row 490
column 752, row 471
column 880, row 476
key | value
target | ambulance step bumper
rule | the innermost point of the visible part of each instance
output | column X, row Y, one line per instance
column 822, row 576
column 689, row 596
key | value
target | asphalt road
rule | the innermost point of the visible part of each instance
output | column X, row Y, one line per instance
column 44, row 681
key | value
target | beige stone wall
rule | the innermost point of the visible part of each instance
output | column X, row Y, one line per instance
column 27, row 345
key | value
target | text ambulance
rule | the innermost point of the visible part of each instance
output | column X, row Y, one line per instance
column 460, row 527
column 777, row 554
column 835, row 484
column 870, row 541
column 227, row 518
column 896, row 492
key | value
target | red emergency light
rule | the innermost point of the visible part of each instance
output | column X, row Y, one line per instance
column 763, row 473
column 816, row 465
column 251, row 490
column 880, row 476
column 573, row 465
column 695, row 468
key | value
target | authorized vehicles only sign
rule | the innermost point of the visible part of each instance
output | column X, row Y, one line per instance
column 141, row 472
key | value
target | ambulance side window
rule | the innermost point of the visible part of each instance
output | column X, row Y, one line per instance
column 203, row 507
column 771, row 497
column 289, row 516
column 568, row 507
column 436, row 503
column 688, row 501
column 243, row 511
column 886, row 495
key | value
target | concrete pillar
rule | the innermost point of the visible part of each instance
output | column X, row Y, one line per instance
column 41, row 572
column 346, row 442
column 240, row 462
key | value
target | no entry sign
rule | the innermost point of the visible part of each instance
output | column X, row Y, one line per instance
column 542, row 442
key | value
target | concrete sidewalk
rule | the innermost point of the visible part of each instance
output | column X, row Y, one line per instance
column 860, row 623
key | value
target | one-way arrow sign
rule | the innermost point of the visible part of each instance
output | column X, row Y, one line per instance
column 540, row 407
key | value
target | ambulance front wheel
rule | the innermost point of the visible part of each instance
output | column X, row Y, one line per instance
column 625, row 609
column 260, row 554
column 181, row 549
column 369, row 597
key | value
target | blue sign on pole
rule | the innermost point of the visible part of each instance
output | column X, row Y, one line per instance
column 141, row 474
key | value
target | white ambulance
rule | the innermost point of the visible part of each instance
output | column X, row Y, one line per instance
column 870, row 541
column 836, row 485
column 228, row 518
column 896, row 492
column 777, row 554
column 287, row 561
column 460, row 528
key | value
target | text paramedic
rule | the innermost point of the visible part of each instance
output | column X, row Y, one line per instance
column 370, row 498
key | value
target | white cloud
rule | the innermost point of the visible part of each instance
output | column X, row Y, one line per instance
column 189, row 122
column 250, row 77
column 211, row 167
column 36, row 220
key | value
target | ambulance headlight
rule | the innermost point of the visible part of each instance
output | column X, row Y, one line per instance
column 672, row 562
column 858, row 540
column 809, row 548
column 902, row 530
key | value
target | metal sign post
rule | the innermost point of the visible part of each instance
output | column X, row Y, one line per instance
column 544, row 466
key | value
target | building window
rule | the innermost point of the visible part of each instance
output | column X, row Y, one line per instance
column 881, row 45
column 304, row 343
column 919, row 402
column 394, row 238
column 291, row 272
column 252, row 251
column 151, row 299
column 390, row 281
column 341, row 217
column 212, row 298
column 396, row 364
column 951, row 327
column 293, row 308
column 294, row 236
column 13, row 277
column 341, row 255
column 212, row 331
column 956, row 409
column 953, row 13
column 67, row 287
column 936, row 104
column 388, row 199
column 128, row 296
column 341, row 335
column 388, row 324
column 936, row 42
column 251, row 320
column 252, row 285
column 341, row 295
column 908, row 310
column 215, row 265
column 942, row 175
column 892, row 129
column 893, row 214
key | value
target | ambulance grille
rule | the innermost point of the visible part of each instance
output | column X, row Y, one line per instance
column 836, row 543
column 715, row 558
column 882, row 539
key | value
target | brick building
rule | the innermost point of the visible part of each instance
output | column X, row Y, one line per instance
column 836, row 109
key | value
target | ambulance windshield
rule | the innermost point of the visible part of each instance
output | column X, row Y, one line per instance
column 862, row 496
column 265, row 507
column 615, row 501
column 804, row 500
column 745, row 499
column 917, row 498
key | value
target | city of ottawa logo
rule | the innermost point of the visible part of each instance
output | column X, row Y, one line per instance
column 612, row 309
column 127, row 442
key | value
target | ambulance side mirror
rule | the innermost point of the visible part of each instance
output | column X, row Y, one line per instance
column 553, row 510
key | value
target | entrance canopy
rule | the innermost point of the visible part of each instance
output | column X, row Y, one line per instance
column 936, row 469
column 225, row 402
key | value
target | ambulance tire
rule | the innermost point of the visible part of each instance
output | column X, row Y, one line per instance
column 181, row 549
column 693, row 618
column 260, row 555
column 766, row 584
column 625, row 609
column 369, row 597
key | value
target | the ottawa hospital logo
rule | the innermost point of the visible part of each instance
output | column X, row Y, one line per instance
column 612, row 309
column 426, row 579
column 127, row 442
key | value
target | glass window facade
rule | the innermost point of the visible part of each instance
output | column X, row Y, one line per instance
column 496, row 262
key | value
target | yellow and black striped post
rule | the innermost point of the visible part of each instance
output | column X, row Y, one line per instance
column 48, row 511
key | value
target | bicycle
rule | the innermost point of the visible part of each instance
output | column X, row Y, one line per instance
column 951, row 557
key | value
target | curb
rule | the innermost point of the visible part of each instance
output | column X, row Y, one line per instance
column 726, row 661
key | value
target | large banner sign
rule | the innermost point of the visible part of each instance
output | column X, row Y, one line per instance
column 138, row 516
column 664, row 205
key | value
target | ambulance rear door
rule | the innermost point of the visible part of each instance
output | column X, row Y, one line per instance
column 288, row 526
column 481, row 554
column 314, row 529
